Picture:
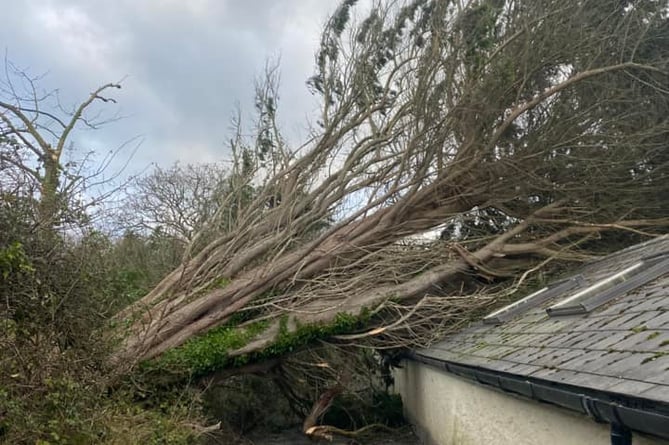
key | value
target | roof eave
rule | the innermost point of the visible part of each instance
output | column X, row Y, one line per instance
column 620, row 410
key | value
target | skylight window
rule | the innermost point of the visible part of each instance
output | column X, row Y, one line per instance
column 532, row 300
column 495, row 317
column 611, row 287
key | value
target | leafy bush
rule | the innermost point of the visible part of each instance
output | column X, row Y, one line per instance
column 58, row 291
column 67, row 411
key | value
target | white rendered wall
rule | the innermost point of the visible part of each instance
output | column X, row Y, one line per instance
column 448, row 410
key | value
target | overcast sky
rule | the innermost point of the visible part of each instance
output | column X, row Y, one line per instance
column 187, row 62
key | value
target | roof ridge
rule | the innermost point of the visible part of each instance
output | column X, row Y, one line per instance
column 628, row 249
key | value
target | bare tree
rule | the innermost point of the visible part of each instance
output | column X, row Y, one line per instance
column 549, row 117
column 35, row 134
column 177, row 200
column 191, row 201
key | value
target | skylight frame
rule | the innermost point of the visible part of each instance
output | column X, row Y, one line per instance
column 613, row 286
column 532, row 300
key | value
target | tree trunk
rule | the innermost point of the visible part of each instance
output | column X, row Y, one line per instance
column 49, row 204
column 517, row 128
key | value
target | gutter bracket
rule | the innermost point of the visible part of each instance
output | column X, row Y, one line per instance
column 620, row 435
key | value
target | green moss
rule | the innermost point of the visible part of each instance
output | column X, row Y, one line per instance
column 479, row 345
column 664, row 343
column 219, row 283
column 639, row 328
column 652, row 335
column 654, row 357
column 287, row 341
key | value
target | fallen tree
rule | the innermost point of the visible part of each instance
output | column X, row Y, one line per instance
column 522, row 130
column 463, row 154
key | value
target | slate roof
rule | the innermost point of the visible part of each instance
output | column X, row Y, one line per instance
column 620, row 347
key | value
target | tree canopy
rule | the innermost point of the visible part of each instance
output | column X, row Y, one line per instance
column 546, row 120
column 463, row 154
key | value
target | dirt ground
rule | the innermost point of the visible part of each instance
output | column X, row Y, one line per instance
column 401, row 437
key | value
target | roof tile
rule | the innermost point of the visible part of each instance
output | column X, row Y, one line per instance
column 621, row 347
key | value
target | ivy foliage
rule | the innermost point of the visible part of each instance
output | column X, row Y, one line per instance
column 13, row 260
column 210, row 352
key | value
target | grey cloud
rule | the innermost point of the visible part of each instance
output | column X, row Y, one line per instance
column 187, row 63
